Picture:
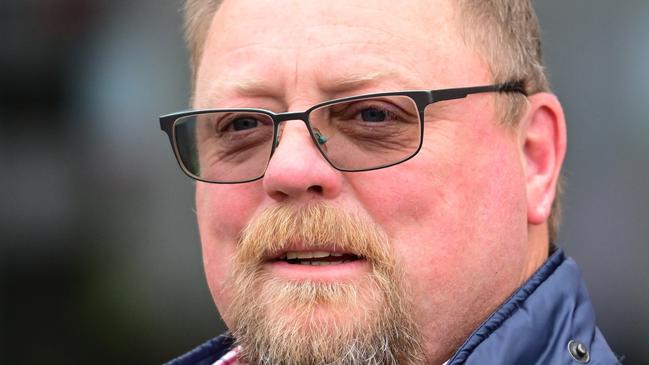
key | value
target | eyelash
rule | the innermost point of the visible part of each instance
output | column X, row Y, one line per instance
column 393, row 111
column 222, row 124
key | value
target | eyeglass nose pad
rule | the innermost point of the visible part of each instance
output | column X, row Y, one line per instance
column 322, row 139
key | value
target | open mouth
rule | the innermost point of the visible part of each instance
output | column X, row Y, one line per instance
column 317, row 258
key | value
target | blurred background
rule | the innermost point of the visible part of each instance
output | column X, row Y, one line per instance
column 99, row 254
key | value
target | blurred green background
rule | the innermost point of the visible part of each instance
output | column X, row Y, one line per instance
column 99, row 255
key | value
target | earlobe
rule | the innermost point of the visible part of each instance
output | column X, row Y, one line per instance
column 544, row 147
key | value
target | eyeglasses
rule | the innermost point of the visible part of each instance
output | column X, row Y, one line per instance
column 358, row 133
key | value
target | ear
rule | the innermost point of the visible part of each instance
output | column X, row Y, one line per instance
column 543, row 139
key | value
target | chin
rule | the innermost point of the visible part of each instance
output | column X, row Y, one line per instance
column 316, row 322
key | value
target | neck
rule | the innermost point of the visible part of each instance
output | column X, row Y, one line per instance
column 539, row 248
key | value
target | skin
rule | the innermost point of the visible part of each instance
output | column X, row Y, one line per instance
column 466, row 216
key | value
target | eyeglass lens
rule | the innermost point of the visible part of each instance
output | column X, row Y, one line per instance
column 353, row 135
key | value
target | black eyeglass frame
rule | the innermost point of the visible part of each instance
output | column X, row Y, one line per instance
column 422, row 99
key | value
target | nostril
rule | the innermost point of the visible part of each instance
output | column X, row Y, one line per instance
column 315, row 189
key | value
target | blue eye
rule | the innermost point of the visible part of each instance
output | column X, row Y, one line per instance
column 244, row 123
column 373, row 115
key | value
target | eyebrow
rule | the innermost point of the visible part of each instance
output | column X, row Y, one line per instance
column 348, row 82
column 240, row 87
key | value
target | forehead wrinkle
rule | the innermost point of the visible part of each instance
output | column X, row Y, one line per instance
column 369, row 65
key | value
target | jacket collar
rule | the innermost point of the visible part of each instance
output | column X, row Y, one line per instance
column 539, row 320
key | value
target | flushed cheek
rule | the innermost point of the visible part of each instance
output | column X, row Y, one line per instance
column 445, row 215
column 409, row 201
column 395, row 197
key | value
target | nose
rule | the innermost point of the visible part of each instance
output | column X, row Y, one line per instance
column 297, row 170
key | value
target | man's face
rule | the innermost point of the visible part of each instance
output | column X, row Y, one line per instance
column 454, row 215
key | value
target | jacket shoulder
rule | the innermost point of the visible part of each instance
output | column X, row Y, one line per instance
column 206, row 353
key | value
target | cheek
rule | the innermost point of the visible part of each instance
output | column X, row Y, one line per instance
column 222, row 211
column 442, row 198
column 454, row 214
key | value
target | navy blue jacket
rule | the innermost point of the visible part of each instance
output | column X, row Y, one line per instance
column 549, row 320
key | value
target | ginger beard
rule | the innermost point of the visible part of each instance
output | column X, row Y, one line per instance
column 367, row 320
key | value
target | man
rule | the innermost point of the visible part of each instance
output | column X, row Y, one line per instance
column 346, row 218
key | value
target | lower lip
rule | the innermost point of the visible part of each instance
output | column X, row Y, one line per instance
column 326, row 273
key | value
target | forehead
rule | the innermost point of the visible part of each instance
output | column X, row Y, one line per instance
column 259, row 46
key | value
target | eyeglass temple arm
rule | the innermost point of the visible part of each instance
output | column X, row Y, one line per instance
column 463, row 92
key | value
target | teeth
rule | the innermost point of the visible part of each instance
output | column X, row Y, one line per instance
column 304, row 255
column 319, row 254
column 291, row 255
column 311, row 257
